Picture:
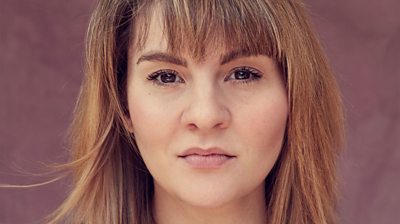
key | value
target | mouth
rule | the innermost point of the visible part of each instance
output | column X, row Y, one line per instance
column 211, row 158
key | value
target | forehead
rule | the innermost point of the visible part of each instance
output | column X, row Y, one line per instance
column 156, row 38
column 198, row 30
column 152, row 25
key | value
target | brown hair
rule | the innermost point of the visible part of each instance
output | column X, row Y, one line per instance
column 111, row 182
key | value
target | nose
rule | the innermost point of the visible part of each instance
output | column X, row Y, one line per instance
column 206, row 110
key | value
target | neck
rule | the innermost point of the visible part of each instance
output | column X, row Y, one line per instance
column 248, row 209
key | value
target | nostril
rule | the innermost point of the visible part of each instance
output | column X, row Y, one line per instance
column 192, row 126
column 202, row 114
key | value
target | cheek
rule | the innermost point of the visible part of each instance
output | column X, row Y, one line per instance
column 153, row 123
column 270, row 124
column 263, row 120
column 263, row 135
column 149, row 111
column 145, row 116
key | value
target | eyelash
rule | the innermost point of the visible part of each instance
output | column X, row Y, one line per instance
column 254, row 76
column 153, row 77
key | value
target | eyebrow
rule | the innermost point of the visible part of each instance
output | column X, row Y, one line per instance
column 169, row 58
column 162, row 57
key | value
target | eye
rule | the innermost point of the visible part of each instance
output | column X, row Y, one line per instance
column 244, row 75
column 165, row 77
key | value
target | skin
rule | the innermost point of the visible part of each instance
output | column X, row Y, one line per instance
column 206, row 105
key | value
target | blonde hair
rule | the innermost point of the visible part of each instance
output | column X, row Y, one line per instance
column 111, row 183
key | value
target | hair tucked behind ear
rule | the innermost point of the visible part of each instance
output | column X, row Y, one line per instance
column 112, row 185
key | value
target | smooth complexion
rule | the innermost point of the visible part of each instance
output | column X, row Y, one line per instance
column 229, row 103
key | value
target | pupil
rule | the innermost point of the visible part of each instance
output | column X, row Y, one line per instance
column 168, row 77
column 242, row 75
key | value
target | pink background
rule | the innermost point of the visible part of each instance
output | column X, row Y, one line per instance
column 41, row 55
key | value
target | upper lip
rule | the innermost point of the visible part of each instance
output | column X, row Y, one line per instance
column 205, row 152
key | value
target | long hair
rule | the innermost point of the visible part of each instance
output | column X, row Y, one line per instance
column 111, row 183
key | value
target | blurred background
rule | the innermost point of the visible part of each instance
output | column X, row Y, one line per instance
column 41, row 68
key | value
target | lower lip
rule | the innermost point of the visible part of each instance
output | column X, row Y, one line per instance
column 207, row 161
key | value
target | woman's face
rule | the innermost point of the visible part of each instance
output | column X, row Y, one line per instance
column 209, row 132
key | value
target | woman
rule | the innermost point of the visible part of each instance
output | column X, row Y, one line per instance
column 204, row 112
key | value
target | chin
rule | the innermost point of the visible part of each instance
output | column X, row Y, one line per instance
column 208, row 198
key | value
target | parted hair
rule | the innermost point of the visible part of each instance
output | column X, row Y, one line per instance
column 111, row 183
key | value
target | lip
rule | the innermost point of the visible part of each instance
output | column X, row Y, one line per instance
column 211, row 158
column 205, row 152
